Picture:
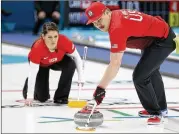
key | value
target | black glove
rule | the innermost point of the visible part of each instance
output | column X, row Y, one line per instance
column 99, row 94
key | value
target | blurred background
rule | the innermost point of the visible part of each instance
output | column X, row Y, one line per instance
column 21, row 23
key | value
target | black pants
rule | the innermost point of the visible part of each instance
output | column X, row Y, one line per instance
column 147, row 78
column 39, row 22
column 41, row 92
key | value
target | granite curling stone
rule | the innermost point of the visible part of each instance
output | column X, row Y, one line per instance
column 81, row 117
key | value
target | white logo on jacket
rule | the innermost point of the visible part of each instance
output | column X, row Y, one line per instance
column 45, row 58
column 52, row 60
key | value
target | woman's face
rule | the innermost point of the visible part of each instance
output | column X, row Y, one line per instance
column 51, row 39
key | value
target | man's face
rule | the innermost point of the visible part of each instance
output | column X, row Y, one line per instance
column 103, row 22
column 51, row 39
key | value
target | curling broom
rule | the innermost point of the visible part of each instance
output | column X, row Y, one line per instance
column 79, row 103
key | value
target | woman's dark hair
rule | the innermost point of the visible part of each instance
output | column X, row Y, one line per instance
column 49, row 26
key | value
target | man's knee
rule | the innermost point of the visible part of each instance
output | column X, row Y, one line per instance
column 137, row 77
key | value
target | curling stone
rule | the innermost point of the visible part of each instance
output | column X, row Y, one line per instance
column 81, row 117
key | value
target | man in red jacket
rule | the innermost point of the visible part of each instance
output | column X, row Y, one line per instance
column 133, row 29
column 51, row 51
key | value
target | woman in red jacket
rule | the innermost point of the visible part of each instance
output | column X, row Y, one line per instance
column 51, row 51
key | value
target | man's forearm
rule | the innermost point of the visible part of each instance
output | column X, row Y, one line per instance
column 109, row 75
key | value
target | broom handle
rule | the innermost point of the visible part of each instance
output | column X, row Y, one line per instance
column 83, row 67
column 84, row 57
column 92, row 111
column 79, row 90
